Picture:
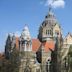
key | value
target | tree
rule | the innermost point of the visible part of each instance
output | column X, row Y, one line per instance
column 70, row 58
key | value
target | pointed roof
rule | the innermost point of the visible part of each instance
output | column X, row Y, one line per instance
column 13, row 37
column 68, row 35
column 35, row 44
column 48, row 45
column 68, row 39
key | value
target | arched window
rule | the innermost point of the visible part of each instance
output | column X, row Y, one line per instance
column 48, row 64
column 48, row 32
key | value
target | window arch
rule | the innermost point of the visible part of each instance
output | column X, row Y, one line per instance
column 48, row 65
column 48, row 32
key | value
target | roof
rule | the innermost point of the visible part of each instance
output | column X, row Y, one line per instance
column 17, row 43
column 50, row 20
column 35, row 44
column 2, row 56
column 48, row 45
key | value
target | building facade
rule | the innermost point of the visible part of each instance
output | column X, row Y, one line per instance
column 44, row 54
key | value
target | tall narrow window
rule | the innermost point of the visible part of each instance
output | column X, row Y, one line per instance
column 50, row 32
column 46, row 32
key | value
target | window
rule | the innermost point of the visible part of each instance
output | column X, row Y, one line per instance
column 48, row 32
column 48, row 63
column 56, row 32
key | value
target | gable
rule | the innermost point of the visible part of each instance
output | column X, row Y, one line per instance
column 68, row 39
column 57, row 27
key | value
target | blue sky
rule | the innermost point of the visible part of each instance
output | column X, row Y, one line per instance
column 14, row 14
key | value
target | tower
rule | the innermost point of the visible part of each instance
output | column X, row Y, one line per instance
column 46, row 28
column 48, row 31
column 25, row 47
column 25, row 40
column 49, row 27
column 27, row 56
column 10, row 45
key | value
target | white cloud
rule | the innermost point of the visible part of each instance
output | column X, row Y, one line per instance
column 55, row 3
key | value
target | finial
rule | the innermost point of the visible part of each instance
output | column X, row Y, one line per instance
column 26, row 25
column 13, row 34
column 50, row 8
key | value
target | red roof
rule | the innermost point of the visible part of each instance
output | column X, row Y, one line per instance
column 2, row 56
column 17, row 43
column 35, row 44
column 47, row 45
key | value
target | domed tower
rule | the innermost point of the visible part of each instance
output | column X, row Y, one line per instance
column 27, row 56
column 25, row 40
column 47, row 30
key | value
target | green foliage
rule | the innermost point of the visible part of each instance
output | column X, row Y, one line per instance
column 70, row 58
column 11, row 65
column 70, row 51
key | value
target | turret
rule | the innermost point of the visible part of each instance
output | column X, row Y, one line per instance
column 49, row 27
column 8, row 46
column 46, row 28
column 25, row 40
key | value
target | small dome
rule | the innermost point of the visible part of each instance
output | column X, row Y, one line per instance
column 26, row 28
column 25, row 33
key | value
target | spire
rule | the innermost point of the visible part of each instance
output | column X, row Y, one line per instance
column 25, row 40
column 13, row 37
column 9, row 38
column 50, row 8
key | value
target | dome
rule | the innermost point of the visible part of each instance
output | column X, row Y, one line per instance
column 25, row 33
column 50, row 20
